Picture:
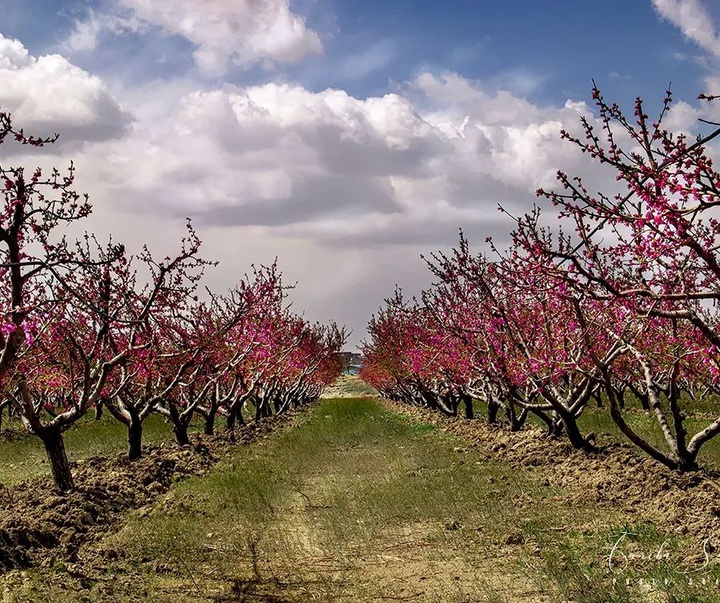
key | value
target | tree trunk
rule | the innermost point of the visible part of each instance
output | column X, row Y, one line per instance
column 98, row 410
column 180, row 430
column 134, row 438
column 210, row 421
column 492, row 411
column 642, row 397
column 573, row 432
column 180, row 425
column 516, row 421
column 450, row 403
column 467, row 401
column 230, row 420
column 55, row 449
column 5, row 404
column 687, row 462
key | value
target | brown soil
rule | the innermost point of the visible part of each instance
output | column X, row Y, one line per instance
column 39, row 524
column 613, row 476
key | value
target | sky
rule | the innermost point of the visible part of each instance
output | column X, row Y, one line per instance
column 346, row 138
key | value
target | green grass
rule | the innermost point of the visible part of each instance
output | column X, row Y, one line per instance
column 355, row 480
column 598, row 420
column 645, row 423
column 635, row 562
column 24, row 457
column 361, row 504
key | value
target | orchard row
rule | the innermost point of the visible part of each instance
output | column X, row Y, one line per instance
column 620, row 301
column 85, row 325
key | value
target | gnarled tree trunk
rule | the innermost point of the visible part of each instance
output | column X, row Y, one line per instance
column 55, row 449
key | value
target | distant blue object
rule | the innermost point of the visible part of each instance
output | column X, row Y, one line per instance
column 351, row 363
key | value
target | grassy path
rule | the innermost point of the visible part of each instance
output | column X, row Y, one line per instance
column 357, row 504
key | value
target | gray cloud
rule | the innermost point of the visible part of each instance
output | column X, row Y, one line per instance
column 347, row 192
column 330, row 197
column 396, row 169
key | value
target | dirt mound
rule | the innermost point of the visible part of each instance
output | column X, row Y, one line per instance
column 39, row 524
column 615, row 475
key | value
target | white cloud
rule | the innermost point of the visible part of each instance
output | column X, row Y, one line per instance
column 692, row 18
column 48, row 94
column 682, row 117
column 86, row 34
column 277, row 169
column 275, row 154
column 453, row 94
column 346, row 172
column 241, row 32
column 13, row 55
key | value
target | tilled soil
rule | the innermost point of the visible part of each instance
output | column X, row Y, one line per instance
column 39, row 524
column 616, row 475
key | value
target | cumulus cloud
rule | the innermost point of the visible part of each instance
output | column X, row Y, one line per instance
column 13, row 55
column 692, row 18
column 276, row 169
column 276, row 153
column 347, row 191
column 49, row 94
column 241, row 32
column 411, row 166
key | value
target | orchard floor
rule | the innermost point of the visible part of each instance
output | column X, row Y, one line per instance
column 359, row 500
